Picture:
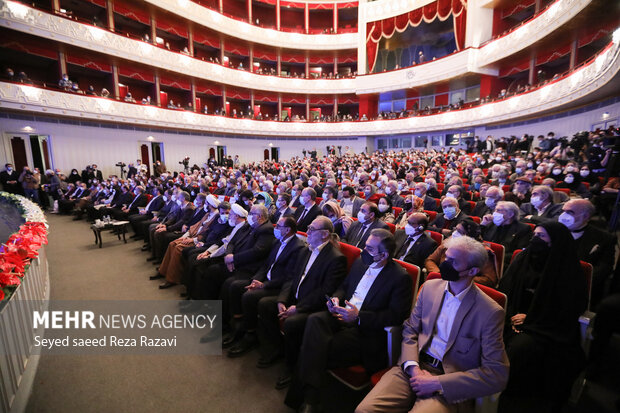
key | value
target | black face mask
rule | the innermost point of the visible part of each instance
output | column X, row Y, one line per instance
column 448, row 272
column 367, row 258
column 408, row 206
column 538, row 246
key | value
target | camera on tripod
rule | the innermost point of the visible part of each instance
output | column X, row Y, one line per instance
column 122, row 165
column 185, row 162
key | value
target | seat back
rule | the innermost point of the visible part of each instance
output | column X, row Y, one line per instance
column 500, row 251
column 565, row 190
column 414, row 272
column 375, row 198
column 352, row 253
column 397, row 211
column 302, row 236
column 475, row 219
column 318, row 200
column 391, row 227
column 431, row 215
column 497, row 296
column 440, row 186
column 435, row 236
column 472, row 205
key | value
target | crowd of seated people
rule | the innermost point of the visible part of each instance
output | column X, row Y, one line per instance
column 272, row 241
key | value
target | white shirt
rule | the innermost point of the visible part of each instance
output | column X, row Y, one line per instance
column 315, row 253
column 217, row 251
column 150, row 202
column 347, row 207
column 445, row 319
column 366, row 282
column 542, row 210
column 282, row 246
column 414, row 239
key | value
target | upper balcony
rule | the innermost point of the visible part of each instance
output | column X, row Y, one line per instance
column 595, row 79
column 255, row 33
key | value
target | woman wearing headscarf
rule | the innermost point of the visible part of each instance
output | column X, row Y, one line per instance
column 547, row 293
column 572, row 181
column 266, row 199
column 336, row 214
column 412, row 204
column 488, row 275
column 386, row 213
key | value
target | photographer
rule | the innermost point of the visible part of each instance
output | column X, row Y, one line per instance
column 30, row 182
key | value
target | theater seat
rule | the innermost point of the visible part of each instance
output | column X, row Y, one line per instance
column 397, row 211
column 149, row 197
column 435, row 236
column 565, row 190
column 440, row 186
column 351, row 252
column 500, row 252
column 475, row 219
column 392, row 227
column 375, row 198
column 431, row 215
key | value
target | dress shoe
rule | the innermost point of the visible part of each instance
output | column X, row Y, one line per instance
column 284, row 381
column 145, row 248
column 245, row 345
column 184, row 295
column 150, row 259
column 264, row 362
column 212, row 335
column 165, row 285
column 156, row 276
column 156, row 262
column 309, row 408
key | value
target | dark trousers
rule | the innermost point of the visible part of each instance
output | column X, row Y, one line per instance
column 160, row 241
column 136, row 219
column 245, row 302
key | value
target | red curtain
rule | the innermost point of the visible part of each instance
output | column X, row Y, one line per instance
column 132, row 12
column 441, row 9
column 175, row 83
column 312, row 6
column 170, row 26
column 524, row 4
column 136, row 73
column 89, row 62
column 513, row 68
column 547, row 56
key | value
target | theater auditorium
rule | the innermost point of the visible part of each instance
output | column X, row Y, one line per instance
column 309, row 206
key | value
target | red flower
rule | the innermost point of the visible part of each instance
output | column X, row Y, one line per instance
column 1, row 294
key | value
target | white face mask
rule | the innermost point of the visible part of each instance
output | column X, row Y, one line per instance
column 361, row 217
column 411, row 230
column 536, row 201
column 557, row 171
column 498, row 218
column 251, row 220
column 490, row 202
column 179, row 202
column 456, row 234
column 450, row 195
column 569, row 179
column 584, row 173
column 223, row 218
column 567, row 220
column 383, row 207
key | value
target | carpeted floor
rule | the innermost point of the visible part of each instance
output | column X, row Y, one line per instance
column 79, row 270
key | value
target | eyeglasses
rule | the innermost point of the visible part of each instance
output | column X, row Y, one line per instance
column 310, row 229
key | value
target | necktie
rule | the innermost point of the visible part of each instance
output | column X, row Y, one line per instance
column 361, row 234
column 405, row 247
column 303, row 215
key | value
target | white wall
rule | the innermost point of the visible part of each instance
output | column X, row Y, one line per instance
column 74, row 146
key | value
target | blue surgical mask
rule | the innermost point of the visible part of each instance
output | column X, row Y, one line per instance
column 449, row 212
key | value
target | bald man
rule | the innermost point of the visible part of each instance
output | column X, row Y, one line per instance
column 594, row 245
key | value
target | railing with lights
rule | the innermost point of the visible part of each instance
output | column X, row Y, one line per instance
column 584, row 80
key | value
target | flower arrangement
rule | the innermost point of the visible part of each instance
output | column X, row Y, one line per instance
column 22, row 246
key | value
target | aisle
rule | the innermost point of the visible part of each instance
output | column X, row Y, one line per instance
column 81, row 271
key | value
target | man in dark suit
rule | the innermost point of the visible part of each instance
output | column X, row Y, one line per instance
column 9, row 178
column 594, row 245
column 503, row 227
column 359, row 231
column 188, row 215
column 458, row 192
column 282, row 208
column 308, row 209
column 243, row 256
column 445, row 222
column 181, row 214
column 140, row 200
column 145, row 214
column 122, row 198
column 96, row 173
column 245, row 294
column 541, row 207
column 413, row 245
column 296, row 196
column 493, row 195
column 391, row 191
column 320, row 270
column 445, row 365
column 142, row 227
column 429, row 203
column 376, row 294
column 350, row 202
column 66, row 205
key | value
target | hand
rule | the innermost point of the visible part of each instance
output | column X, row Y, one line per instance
column 292, row 310
column 203, row 255
column 528, row 217
column 281, row 308
column 230, row 262
column 487, row 219
column 446, row 232
column 517, row 320
column 347, row 315
column 255, row 285
column 161, row 229
column 199, row 244
column 332, row 308
column 424, row 384
column 184, row 228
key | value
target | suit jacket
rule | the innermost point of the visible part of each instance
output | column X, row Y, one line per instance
column 325, row 275
column 475, row 362
column 357, row 204
column 352, row 236
column 312, row 213
column 251, row 247
column 215, row 233
column 156, row 204
column 283, row 269
column 397, row 200
column 419, row 252
column 517, row 235
column 387, row 303
column 481, row 209
column 279, row 214
column 122, row 199
column 598, row 248
column 429, row 203
column 552, row 213
column 438, row 223
column 139, row 201
column 181, row 217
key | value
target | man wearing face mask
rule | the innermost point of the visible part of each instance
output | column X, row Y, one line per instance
column 359, row 231
column 320, row 270
column 413, row 245
column 155, row 204
column 350, row 202
column 296, row 196
column 393, row 193
column 139, row 201
column 493, row 195
column 521, row 192
column 282, row 208
column 541, row 207
column 503, row 227
column 376, row 294
column 421, row 192
column 446, row 221
column 594, row 245
column 452, row 348
column 308, row 209
column 143, row 226
column 9, row 178
column 240, row 260
column 244, row 295
column 186, row 215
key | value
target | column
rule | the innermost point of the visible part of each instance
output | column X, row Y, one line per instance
column 157, row 90
column 193, row 91
column 532, row 74
column 62, row 64
column 307, row 18
column 307, row 67
column 251, row 114
column 221, row 6
column 335, row 66
column 56, row 6
column 335, row 17
column 190, row 40
column 224, row 106
column 307, row 108
column 537, row 6
column 153, row 29
column 361, row 39
column 116, row 92
column 479, row 24
column 573, row 54
column 110, row 14
column 249, row 4
column 222, row 51
column 335, row 106
column 278, row 14
column 251, row 60
column 279, row 107
column 279, row 64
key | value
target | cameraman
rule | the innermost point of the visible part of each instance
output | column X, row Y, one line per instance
column 30, row 182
